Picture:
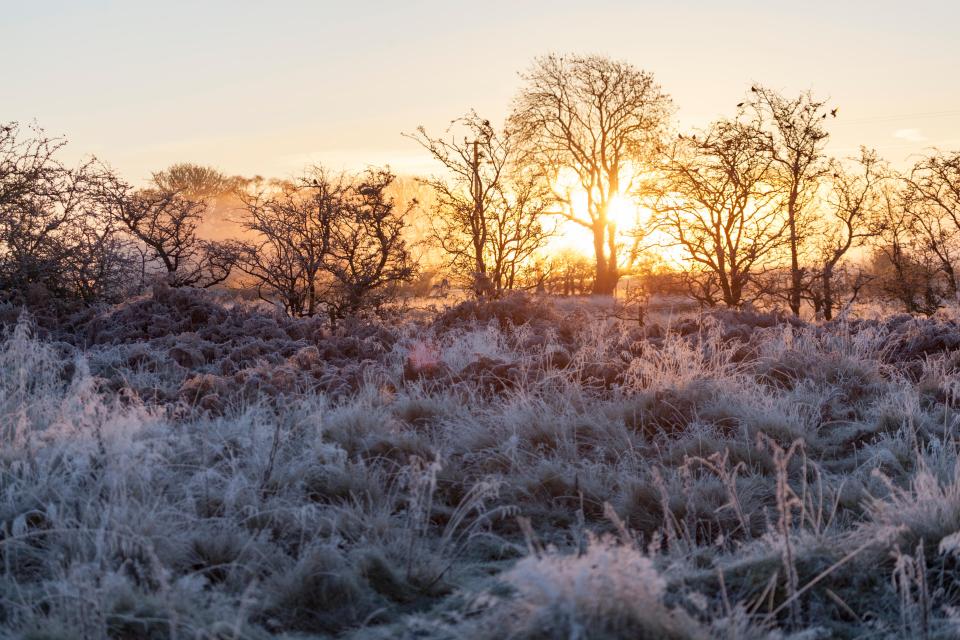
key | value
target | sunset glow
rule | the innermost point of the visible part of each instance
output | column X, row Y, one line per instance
column 537, row 320
column 624, row 211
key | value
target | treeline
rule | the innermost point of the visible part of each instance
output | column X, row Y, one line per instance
column 764, row 215
column 752, row 205
column 756, row 210
column 74, row 236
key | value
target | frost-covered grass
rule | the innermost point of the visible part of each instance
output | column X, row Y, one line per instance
column 178, row 468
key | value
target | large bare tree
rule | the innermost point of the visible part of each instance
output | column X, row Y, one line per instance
column 600, row 120
column 488, row 212
column 796, row 141
column 717, row 203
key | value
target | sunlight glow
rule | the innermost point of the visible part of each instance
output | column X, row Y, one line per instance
column 575, row 238
column 624, row 211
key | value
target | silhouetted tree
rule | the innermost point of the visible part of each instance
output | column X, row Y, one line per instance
column 717, row 203
column 932, row 199
column 105, row 266
column 55, row 245
column 905, row 269
column 329, row 241
column 39, row 199
column 796, row 141
column 488, row 210
column 601, row 120
column 367, row 257
column 291, row 224
column 164, row 222
column 853, row 202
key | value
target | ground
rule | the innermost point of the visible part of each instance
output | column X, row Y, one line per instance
column 184, row 466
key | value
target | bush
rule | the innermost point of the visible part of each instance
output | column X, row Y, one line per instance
column 610, row 591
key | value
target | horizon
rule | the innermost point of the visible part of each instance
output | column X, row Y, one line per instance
column 248, row 90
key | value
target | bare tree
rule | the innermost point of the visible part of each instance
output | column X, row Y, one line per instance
column 367, row 254
column 717, row 203
column 104, row 265
column 39, row 199
column 28, row 165
column 291, row 223
column 796, row 141
column 519, row 230
column 905, row 269
column 853, row 201
column 932, row 199
column 601, row 120
column 488, row 210
column 165, row 224
column 194, row 181
column 55, row 244
column 326, row 242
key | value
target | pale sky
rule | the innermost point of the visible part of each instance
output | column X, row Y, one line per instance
column 266, row 87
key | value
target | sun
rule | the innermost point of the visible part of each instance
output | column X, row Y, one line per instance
column 622, row 210
column 628, row 215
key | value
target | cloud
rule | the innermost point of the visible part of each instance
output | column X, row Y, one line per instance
column 911, row 135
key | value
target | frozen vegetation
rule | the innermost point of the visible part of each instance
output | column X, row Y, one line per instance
column 182, row 467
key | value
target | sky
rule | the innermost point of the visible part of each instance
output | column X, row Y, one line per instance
column 258, row 88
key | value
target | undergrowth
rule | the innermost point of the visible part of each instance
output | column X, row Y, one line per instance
column 177, row 468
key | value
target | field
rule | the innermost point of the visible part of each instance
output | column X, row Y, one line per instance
column 180, row 466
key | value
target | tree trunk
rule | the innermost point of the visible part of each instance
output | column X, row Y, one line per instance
column 605, row 280
column 311, row 297
column 796, row 279
column 828, row 294
column 613, row 272
column 951, row 278
column 734, row 294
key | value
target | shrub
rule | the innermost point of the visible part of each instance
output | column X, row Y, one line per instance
column 610, row 591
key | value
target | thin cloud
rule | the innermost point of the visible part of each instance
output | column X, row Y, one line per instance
column 911, row 135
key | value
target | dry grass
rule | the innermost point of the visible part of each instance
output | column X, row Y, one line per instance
column 182, row 467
